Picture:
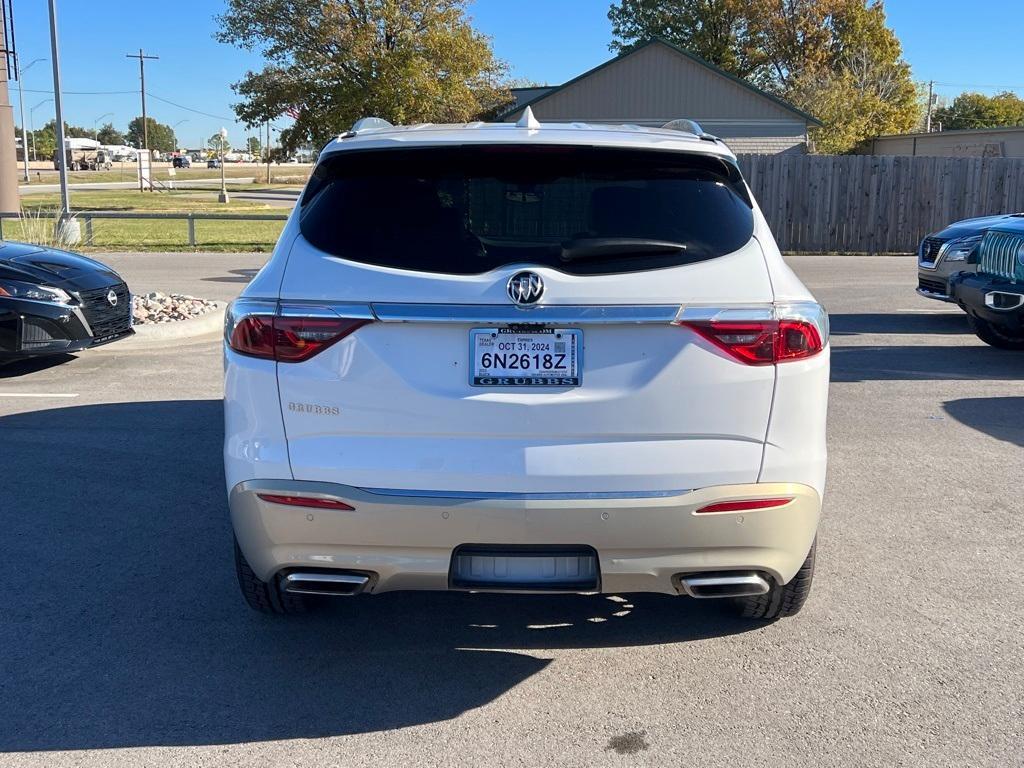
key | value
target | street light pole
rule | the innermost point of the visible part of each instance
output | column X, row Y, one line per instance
column 65, row 201
column 32, row 124
column 223, row 196
column 174, row 130
column 21, row 103
column 95, row 133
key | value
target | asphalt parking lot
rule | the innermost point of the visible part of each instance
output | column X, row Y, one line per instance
column 124, row 639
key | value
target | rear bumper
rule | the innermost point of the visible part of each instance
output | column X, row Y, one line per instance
column 972, row 291
column 407, row 541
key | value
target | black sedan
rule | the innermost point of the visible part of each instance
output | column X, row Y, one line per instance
column 54, row 302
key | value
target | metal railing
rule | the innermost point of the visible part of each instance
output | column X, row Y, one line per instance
column 87, row 218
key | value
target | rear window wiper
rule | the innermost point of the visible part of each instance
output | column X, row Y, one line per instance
column 581, row 248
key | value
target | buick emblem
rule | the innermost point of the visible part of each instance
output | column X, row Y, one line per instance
column 525, row 288
column 112, row 298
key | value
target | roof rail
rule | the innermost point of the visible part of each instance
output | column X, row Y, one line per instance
column 367, row 123
column 689, row 126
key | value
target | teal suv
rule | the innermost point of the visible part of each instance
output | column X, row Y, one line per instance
column 993, row 297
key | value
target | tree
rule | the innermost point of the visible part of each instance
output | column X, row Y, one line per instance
column 835, row 59
column 975, row 110
column 110, row 135
column 44, row 140
column 219, row 143
column 76, row 132
column 864, row 88
column 253, row 146
column 330, row 62
column 161, row 137
column 715, row 30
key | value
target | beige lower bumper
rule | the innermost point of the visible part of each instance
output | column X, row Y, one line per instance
column 407, row 541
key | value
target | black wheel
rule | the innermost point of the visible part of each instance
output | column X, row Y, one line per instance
column 261, row 596
column 785, row 599
column 996, row 335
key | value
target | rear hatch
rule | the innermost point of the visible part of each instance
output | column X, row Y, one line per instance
column 438, row 255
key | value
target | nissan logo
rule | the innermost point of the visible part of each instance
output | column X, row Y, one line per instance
column 525, row 288
column 112, row 298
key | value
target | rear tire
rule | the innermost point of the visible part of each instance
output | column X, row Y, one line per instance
column 995, row 335
column 782, row 599
column 261, row 596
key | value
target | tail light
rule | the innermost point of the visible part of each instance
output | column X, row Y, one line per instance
column 761, row 335
column 745, row 505
column 290, row 334
column 314, row 502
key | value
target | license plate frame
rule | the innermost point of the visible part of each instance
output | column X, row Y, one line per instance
column 574, row 351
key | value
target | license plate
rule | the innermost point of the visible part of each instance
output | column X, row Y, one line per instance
column 526, row 357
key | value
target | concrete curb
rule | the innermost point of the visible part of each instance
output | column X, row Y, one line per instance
column 154, row 334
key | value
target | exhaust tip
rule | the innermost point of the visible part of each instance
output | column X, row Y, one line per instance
column 338, row 584
column 717, row 585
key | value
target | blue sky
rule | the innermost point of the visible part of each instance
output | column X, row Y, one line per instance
column 962, row 46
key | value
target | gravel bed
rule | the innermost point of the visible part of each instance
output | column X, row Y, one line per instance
column 156, row 307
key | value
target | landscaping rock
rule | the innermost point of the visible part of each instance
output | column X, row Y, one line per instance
column 156, row 307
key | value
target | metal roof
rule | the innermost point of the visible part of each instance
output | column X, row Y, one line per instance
column 692, row 56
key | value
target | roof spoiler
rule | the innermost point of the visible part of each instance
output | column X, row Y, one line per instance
column 689, row 126
column 364, row 124
column 368, row 123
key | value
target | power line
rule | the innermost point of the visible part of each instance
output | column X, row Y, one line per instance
column 980, row 85
column 190, row 109
column 78, row 93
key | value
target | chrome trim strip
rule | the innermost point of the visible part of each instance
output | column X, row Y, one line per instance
column 933, row 294
column 482, row 495
column 290, row 308
column 536, row 314
column 990, row 300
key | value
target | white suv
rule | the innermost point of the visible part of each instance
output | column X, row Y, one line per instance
column 525, row 357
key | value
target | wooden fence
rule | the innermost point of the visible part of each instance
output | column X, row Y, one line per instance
column 874, row 203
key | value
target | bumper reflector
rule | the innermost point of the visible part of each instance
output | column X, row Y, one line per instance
column 305, row 501
column 743, row 505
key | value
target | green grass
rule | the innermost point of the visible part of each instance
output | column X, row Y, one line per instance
column 152, row 234
column 133, row 200
column 284, row 173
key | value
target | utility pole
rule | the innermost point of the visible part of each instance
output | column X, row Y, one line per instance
column 928, row 115
column 64, row 233
column 142, row 90
column 9, row 202
column 268, row 151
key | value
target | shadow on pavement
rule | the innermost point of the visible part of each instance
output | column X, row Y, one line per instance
column 899, row 322
column 234, row 276
column 925, row 362
column 32, row 365
column 999, row 417
column 122, row 624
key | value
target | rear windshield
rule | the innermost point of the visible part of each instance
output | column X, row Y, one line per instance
column 470, row 209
